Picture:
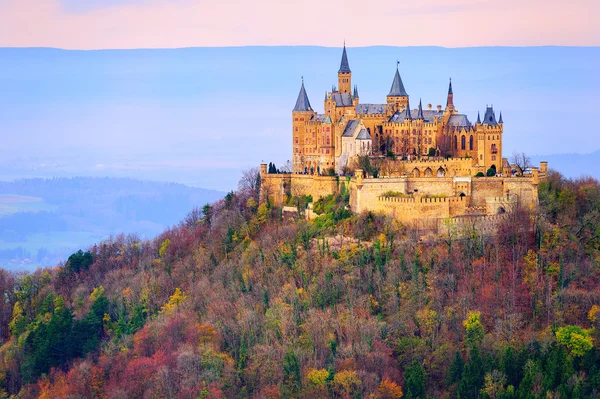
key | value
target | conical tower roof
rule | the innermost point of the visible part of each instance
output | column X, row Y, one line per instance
column 397, row 86
column 478, row 118
column 500, row 119
column 408, row 115
column 355, row 91
column 344, row 65
column 302, row 103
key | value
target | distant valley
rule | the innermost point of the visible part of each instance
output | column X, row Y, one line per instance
column 42, row 221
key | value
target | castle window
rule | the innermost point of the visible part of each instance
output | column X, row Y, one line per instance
column 456, row 142
column 463, row 143
column 296, row 140
column 494, row 149
column 471, row 143
column 296, row 128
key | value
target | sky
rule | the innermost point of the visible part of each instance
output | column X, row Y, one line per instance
column 127, row 24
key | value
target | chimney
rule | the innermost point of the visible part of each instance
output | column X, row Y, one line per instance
column 439, row 107
column 429, row 106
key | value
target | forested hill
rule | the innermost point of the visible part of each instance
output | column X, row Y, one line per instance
column 236, row 302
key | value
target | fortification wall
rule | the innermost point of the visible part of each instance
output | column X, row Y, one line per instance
column 525, row 188
column 430, row 185
column 278, row 186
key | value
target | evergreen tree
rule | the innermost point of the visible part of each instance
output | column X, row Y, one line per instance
column 291, row 376
column 415, row 381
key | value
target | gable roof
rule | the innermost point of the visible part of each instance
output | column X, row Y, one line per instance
column 363, row 135
column 342, row 99
column 459, row 120
column 350, row 128
column 428, row 115
column 371, row 108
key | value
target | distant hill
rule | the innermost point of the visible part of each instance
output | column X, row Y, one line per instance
column 43, row 220
column 573, row 165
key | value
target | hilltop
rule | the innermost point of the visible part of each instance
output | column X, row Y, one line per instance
column 237, row 301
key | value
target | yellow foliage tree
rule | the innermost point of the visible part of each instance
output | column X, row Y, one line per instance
column 317, row 377
column 175, row 300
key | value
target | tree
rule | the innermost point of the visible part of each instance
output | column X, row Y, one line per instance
column 292, row 380
column 415, row 381
column 473, row 328
column 521, row 161
column 249, row 184
column 575, row 339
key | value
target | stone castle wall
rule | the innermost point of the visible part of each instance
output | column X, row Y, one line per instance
column 409, row 199
column 278, row 186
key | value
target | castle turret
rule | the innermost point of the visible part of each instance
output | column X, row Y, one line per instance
column 344, row 74
column 397, row 97
column 420, row 112
column 489, row 145
column 301, row 113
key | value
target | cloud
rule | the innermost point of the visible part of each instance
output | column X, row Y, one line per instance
column 95, row 24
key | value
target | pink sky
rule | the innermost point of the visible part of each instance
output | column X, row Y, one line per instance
column 100, row 24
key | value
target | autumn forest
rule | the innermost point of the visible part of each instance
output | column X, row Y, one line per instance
column 241, row 301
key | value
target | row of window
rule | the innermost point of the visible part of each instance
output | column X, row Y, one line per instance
column 308, row 151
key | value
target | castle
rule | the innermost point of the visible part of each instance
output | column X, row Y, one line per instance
column 438, row 165
column 348, row 129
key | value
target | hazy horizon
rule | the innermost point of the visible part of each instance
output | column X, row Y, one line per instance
column 199, row 116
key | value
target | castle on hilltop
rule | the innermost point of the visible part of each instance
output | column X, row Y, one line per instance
column 348, row 129
column 431, row 165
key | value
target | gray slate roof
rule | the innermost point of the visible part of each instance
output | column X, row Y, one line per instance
column 350, row 127
column 459, row 120
column 342, row 99
column 363, row 135
column 397, row 86
column 302, row 103
column 428, row 115
column 344, row 66
column 490, row 117
column 371, row 108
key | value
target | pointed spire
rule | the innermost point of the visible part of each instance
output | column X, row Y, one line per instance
column 344, row 65
column 450, row 100
column 355, row 91
column 478, row 118
column 500, row 119
column 408, row 116
column 397, row 88
column 325, row 96
column 420, row 113
column 302, row 103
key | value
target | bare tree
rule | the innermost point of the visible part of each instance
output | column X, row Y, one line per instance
column 249, row 183
column 521, row 161
column 287, row 167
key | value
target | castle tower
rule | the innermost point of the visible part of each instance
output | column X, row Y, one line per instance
column 344, row 74
column 397, row 97
column 301, row 113
column 450, row 100
column 489, row 140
